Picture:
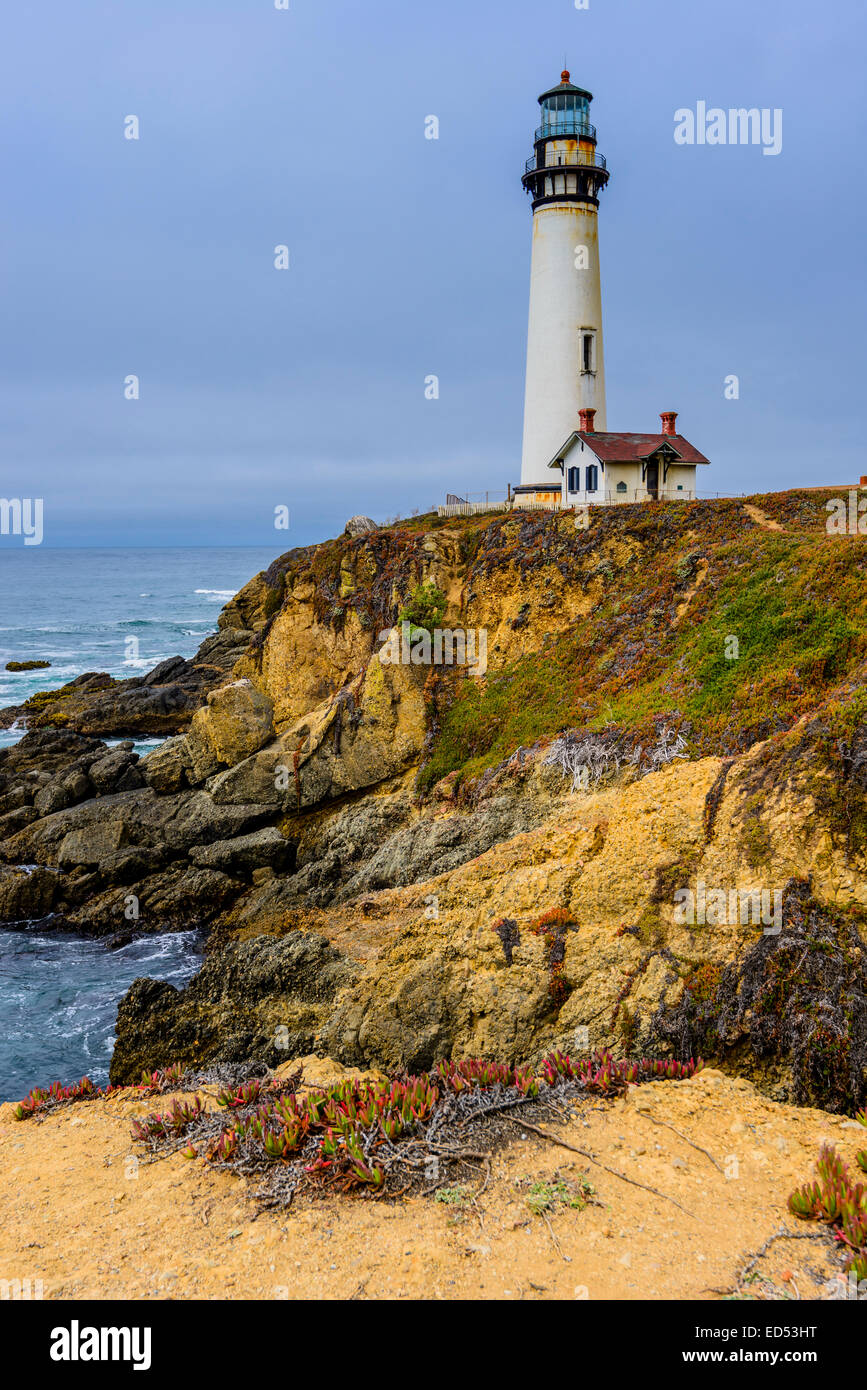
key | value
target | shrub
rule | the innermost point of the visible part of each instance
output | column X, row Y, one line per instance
column 546, row 1196
column 425, row 607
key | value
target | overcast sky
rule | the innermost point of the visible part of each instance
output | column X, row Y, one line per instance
column 409, row 257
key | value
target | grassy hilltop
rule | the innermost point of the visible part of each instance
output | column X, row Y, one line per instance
column 730, row 619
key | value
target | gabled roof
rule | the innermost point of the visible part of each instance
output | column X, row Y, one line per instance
column 629, row 448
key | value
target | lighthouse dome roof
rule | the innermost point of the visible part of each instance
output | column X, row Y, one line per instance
column 566, row 85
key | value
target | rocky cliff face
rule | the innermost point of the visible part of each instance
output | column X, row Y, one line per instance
column 400, row 862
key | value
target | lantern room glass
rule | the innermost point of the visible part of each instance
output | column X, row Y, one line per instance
column 565, row 111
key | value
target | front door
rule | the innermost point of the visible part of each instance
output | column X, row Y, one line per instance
column 652, row 478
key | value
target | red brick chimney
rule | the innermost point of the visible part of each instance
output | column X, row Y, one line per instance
column 586, row 419
column 668, row 418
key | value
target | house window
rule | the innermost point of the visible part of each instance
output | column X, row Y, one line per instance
column 587, row 353
column 621, row 487
column 592, row 477
column 574, row 479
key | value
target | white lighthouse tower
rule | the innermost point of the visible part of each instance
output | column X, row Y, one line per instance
column 565, row 364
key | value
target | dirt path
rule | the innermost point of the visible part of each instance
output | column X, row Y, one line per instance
column 761, row 519
column 80, row 1214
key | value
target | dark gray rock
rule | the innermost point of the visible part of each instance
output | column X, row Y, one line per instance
column 117, row 772
column 14, row 799
column 199, row 821
column 265, row 848
column 148, row 821
column 263, row 998
column 26, row 894
column 13, row 821
column 180, row 898
column 69, row 789
column 47, row 751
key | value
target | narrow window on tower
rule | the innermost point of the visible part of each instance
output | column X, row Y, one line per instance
column 588, row 352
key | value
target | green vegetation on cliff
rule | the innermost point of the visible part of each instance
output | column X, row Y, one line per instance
column 700, row 616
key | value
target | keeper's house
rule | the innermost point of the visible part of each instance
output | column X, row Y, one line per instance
column 602, row 468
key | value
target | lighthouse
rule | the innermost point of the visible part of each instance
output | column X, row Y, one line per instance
column 565, row 363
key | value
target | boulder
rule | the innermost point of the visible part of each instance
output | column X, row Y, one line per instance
column 197, row 820
column 117, row 772
column 173, row 823
column 266, row 778
column 13, row 799
column 355, row 739
column 47, row 751
column 180, row 898
column 92, row 844
column 166, row 769
column 141, row 811
column 263, row 849
column 13, row 821
column 201, row 758
column 67, row 790
column 263, row 998
column 26, row 894
column 236, row 721
column 55, row 796
column 359, row 526
column 127, row 865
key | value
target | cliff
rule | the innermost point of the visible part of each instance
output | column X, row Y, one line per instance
column 401, row 862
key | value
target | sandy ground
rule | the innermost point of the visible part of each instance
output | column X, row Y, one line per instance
column 81, row 1215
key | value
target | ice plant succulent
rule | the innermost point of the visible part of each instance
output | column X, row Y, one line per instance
column 601, row 1074
column 463, row 1076
column 55, row 1094
column 176, row 1119
column 166, row 1079
column 348, row 1135
column 835, row 1199
column 247, row 1094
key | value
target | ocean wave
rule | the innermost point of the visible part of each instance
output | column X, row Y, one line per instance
column 149, row 622
column 60, row 995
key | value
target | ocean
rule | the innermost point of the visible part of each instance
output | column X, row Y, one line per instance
column 79, row 609
column 120, row 611
column 59, row 996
